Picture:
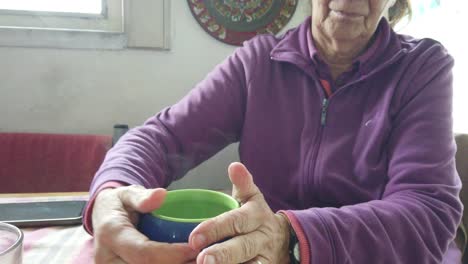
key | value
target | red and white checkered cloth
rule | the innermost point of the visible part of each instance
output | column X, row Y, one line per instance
column 55, row 245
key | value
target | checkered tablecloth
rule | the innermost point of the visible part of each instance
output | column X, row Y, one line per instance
column 55, row 245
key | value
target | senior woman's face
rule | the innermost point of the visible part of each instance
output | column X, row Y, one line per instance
column 348, row 19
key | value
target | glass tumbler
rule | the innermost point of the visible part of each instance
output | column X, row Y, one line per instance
column 11, row 244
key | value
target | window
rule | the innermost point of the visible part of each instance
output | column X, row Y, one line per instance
column 83, row 15
column 444, row 20
column 94, row 24
column 82, row 6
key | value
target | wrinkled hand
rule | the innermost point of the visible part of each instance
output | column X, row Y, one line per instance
column 115, row 215
column 257, row 234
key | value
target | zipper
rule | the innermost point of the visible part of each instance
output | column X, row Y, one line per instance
column 313, row 185
column 310, row 183
column 323, row 118
column 312, row 163
column 313, row 167
column 318, row 142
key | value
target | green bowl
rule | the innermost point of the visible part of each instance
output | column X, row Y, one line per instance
column 182, row 211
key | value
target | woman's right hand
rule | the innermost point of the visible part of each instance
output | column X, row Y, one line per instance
column 116, row 240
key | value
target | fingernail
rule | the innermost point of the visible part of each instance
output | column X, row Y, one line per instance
column 209, row 260
column 199, row 241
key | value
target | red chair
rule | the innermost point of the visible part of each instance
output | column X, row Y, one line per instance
column 34, row 162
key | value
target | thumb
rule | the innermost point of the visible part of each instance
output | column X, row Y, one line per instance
column 142, row 200
column 244, row 187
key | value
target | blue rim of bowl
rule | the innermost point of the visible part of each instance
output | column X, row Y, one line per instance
column 195, row 220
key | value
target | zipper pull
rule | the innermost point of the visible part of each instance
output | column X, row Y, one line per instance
column 324, row 111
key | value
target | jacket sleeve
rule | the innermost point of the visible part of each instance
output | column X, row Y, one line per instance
column 419, row 211
column 182, row 136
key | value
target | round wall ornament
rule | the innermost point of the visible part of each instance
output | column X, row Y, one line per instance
column 234, row 21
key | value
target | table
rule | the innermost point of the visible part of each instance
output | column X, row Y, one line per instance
column 54, row 245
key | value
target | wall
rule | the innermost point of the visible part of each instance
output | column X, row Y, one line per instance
column 87, row 91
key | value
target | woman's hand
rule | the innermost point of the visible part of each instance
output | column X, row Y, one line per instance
column 115, row 215
column 257, row 235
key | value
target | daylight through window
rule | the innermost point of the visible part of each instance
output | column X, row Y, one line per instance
column 67, row 6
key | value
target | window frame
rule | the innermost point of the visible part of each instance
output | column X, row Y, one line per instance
column 112, row 29
column 110, row 19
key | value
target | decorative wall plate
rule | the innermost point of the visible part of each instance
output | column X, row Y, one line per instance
column 234, row 21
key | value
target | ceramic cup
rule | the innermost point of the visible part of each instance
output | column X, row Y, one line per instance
column 11, row 244
column 182, row 211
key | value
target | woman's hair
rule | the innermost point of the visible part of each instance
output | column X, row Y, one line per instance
column 399, row 10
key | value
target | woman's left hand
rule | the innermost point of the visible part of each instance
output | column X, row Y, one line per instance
column 257, row 235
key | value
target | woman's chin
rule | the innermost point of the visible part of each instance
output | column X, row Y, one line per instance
column 344, row 33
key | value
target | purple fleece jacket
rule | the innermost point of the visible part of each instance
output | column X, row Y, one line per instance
column 368, row 173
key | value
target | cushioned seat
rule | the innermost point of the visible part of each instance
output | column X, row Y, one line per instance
column 34, row 162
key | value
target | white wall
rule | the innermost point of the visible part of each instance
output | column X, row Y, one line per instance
column 87, row 91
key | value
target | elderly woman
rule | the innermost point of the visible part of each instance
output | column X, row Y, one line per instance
column 345, row 141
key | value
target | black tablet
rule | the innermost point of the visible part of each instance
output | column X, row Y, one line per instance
column 50, row 213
